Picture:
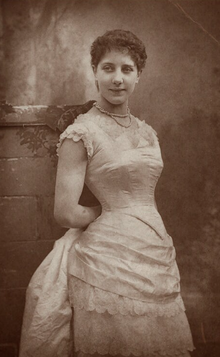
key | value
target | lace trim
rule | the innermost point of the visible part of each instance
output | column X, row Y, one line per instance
column 126, row 335
column 156, row 354
column 77, row 132
column 147, row 132
column 112, row 129
column 153, row 354
column 90, row 298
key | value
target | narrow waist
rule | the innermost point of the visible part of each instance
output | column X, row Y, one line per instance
column 145, row 214
column 133, row 208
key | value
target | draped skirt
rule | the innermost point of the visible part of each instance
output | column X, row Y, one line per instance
column 64, row 316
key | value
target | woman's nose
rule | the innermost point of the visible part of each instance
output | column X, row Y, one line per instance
column 118, row 78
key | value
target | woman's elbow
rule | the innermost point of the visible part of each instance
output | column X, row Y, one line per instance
column 61, row 217
column 64, row 218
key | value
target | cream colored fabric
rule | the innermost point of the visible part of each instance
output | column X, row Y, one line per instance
column 109, row 324
column 120, row 274
column 46, row 330
column 147, row 336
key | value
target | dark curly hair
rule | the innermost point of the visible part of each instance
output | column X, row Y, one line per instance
column 119, row 40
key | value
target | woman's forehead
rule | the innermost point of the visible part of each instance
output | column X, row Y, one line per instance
column 117, row 56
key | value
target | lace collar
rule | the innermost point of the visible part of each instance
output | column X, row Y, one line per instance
column 138, row 127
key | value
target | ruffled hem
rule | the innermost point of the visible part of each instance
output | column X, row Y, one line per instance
column 128, row 335
column 90, row 298
column 77, row 132
column 156, row 354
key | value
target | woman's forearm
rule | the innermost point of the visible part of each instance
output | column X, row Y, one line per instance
column 79, row 217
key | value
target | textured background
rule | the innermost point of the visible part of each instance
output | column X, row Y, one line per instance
column 44, row 47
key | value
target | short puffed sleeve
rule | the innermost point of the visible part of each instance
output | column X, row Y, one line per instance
column 77, row 132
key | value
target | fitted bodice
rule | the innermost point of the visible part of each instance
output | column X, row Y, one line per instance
column 119, row 273
column 125, row 248
column 124, row 178
column 126, row 164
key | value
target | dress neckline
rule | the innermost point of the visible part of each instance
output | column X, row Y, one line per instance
column 138, row 132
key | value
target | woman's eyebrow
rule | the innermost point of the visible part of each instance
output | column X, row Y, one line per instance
column 128, row 65
column 113, row 64
column 108, row 63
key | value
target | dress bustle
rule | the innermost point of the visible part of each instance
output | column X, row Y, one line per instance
column 119, row 275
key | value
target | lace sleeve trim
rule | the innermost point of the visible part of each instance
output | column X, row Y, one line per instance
column 77, row 132
column 147, row 132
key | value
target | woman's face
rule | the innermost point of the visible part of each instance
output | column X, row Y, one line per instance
column 116, row 76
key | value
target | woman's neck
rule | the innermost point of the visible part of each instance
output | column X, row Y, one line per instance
column 113, row 108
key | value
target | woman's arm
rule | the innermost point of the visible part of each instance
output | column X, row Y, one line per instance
column 69, row 185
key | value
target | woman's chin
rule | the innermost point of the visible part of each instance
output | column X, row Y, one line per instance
column 117, row 101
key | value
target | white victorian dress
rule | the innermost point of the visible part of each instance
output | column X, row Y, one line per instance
column 119, row 275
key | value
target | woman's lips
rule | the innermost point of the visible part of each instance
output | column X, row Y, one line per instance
column 117, row 90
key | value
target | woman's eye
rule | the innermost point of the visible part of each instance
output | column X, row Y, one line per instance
column 127, row 69
column 108, row 68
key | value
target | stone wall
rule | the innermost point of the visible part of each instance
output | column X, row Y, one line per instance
column 28, row 163
column 28, row 229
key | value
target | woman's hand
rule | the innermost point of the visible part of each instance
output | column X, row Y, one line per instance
column 69, row 184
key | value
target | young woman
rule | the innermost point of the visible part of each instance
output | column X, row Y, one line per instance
column 115, row 267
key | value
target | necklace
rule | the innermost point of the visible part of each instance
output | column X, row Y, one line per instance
column 114, row 116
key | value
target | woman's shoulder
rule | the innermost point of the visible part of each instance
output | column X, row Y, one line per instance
column 142, row 124
column 78, row 131
column 147, row 131
column 88, row 119
column 81, row 119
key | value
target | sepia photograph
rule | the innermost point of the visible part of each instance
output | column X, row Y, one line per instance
column 109, row 184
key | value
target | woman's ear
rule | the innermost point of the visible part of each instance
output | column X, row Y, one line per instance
column 94, row 68
column 138, row 77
